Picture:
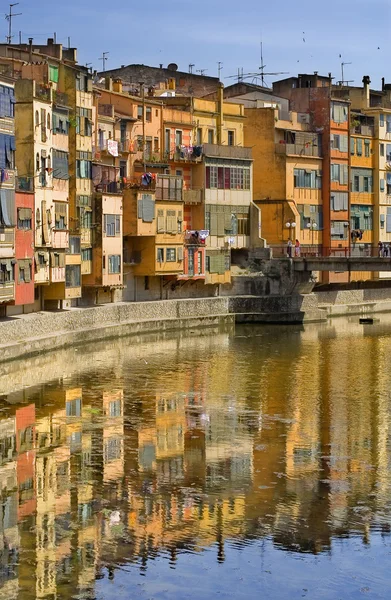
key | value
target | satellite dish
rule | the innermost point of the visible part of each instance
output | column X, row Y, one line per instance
column 172, row 67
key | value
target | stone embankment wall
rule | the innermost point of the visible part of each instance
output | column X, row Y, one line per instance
column 27, row 335
column 44, row 331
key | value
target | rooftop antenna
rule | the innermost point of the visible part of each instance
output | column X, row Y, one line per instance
column 201, row 71
column 9, row 19
column 103, row 58
column 191, row 65
column 219, row 68
column 342, row 73
column 89, row 66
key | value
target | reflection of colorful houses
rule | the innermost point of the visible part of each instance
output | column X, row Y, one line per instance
column 25, row 435
column 9, row 538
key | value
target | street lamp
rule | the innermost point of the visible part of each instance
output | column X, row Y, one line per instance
column 290, row 225
column 312, row 226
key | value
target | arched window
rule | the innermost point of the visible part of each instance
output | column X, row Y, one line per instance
column 36, row 118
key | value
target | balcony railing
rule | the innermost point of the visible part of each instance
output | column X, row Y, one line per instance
column 7, row 290
column 193, row 196
column 113, row 187
column 42, row 92
column 235, row 152
column 24, row 184
column 299, row 149
column 60, row 98
column 106, row 110
column 140, row 183
column 186, row 154
column 7, row 237
column 169, row 187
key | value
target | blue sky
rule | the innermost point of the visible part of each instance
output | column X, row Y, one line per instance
column 206, row 31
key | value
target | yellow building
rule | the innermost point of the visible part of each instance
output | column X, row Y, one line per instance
column 225, row 177
column 287, row 155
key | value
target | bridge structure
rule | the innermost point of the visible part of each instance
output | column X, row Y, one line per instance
column 369, row 258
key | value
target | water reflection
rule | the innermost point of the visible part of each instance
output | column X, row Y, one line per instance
column 123, row 455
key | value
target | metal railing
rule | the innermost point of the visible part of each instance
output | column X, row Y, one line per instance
column 60, row 98
column 315, row 251
column 42, row 92
column 299, row 149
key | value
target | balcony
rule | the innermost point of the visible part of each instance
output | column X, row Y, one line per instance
column 299, row 149
column 170, row 188
column 9, row 182
column 234, row 152
column 43, row 93
column 113, row 187
column 7, row 291
column 193, row 196
column 140, row 183
column 7, row 238
column 60, row 98
column 195, row 237
column 24, row 184
column 106, row 110
column 186, row 154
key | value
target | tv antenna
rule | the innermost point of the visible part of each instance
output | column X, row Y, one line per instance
column 201, row 71
column 219, row 68
column 9, row 19
column 191, row 65
column 262, row 74
column 103, row 58
column 342, row 82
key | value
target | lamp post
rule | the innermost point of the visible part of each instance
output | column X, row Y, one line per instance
column 290, row 225
column 312, row 226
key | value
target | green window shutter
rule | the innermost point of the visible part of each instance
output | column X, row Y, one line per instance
column 352, row 146
column 53, row 74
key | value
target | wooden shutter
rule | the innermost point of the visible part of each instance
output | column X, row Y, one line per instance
column 180, row 253
column 160, row 221
column 171, row 221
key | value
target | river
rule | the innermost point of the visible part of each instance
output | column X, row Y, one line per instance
column 232, row 464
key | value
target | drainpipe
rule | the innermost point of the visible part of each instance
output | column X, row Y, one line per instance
column 220, row 116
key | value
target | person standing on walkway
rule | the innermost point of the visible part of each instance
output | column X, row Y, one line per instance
column 380, row 247
column 289, row 248
column 297, row 248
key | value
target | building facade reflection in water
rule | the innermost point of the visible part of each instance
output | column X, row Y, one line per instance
column 193, row 443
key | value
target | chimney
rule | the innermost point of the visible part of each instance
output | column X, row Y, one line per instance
column 366, row 90
column 383, row 84
column 50, row 41
column 117, row 85
column 220, row 109
column 109, row 84
column 30, row 50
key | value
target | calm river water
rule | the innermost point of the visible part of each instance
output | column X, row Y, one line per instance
column 241, row 464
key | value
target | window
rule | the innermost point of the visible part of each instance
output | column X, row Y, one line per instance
column 381, row 120
column 60, row 123
column 112, row 225
column 339, row 173
column 381, row 149
column 242, row 224
column 60, row 165
column 382, row 185
column 7, row 100
column 24, row 271
column 211, row 177
column 160, row 255
column 6, row 271
column 339, row 230
column 84, row 121
column 167, row 141
column 388, row 123
column 199, row 136
column 339, row 112
column 114, row 263
column 231, row 138
column 366, row 184
column 361, row 217
column 361, row 180
column 7, row 151
column 211, row 136
column 339, row 201
column 74, row 245
column 73, row 408
column 24, row 218
column 84, row 165
column 139, row 112
column 366, row 148
column 115, row 408
column 178, row 137
column 148, row 114
column 306, row 178
column 36, row 118
column 199, row 262
column 156, row 144
column 140, row 143
column 170, row 254
column 356, row 183
column 359, row 147
column 86, row 254
column 60, row 215
column 146, row 208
